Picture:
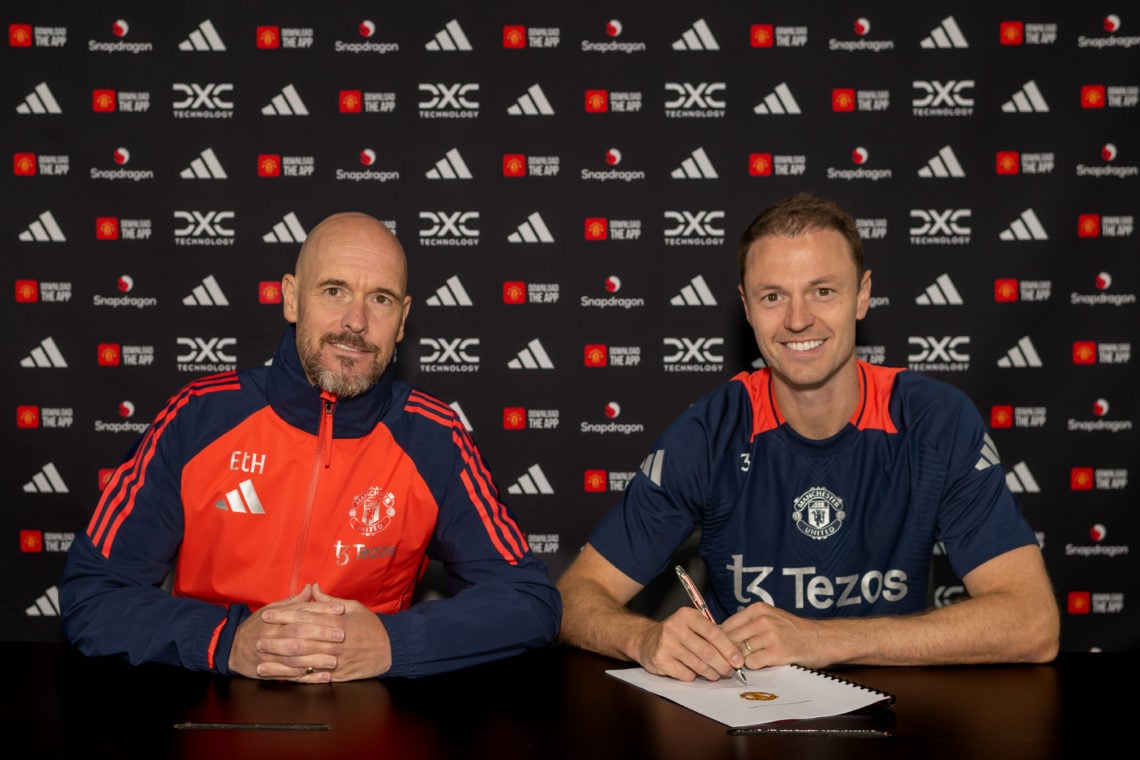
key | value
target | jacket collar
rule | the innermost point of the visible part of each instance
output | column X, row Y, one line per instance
column 299, row 403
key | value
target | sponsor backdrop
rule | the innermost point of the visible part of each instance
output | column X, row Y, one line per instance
column 569, row 182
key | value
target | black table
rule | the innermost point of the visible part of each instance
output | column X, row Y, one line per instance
column 553, row 703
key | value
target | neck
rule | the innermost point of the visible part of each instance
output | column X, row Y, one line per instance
column 819, row 412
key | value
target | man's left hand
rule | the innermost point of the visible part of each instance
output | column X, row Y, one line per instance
column 366, row 651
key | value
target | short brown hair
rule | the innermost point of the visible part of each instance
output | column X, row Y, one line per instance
column 796, row 215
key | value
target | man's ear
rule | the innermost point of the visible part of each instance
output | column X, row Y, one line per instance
column 404, row 318
column 743, row 301
column 289, row 298
column 864, row 299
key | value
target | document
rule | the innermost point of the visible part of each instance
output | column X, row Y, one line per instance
column 783, row 692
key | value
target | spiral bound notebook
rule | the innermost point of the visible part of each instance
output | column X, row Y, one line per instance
column 783, row 692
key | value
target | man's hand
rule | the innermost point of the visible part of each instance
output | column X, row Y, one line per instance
column 365, row 651
column 771, row 636
column 296, row 639
column 686, row 645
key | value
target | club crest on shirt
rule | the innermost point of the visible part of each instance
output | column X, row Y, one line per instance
column 372, row 511
column 818, row 513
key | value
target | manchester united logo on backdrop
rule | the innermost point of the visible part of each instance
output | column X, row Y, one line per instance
column 372, row 511
column 818, row 513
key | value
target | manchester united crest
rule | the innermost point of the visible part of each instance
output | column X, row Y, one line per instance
column 372, row 511
column 818, row 513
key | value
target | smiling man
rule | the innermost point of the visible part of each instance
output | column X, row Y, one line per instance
column 820, row 485
column 299, row 504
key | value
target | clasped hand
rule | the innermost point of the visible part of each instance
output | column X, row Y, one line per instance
column 311, row 638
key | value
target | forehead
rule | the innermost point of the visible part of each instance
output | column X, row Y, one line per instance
column 355, row 254
column 810, row 256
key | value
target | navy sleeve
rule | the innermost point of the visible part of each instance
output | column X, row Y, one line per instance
column 979, row 517
column 664, row 502
column 111, row 596
column 503, row 601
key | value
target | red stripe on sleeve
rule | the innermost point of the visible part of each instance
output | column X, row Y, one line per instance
column 482, row 494
column 119, row 499
column 214, row 644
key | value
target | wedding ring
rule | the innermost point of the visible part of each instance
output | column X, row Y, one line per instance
column 309, row 670
column 747, row 646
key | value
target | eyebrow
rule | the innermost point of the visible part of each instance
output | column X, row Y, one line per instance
column 817, row 282
column 344, row 284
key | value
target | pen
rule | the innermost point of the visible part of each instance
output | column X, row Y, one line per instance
column 699, row 603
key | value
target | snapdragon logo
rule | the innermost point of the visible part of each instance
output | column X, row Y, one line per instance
column 125, row 284
column 694, row 227
column 122, row 157
column 613, row 158
column 449, row 354
column 120, row 28
column 203, row 101
column 201, row 355
column 612, row 285
column 693, row 354
column 448, row 101
column 1100, row 411
column 614, row 29
column 123, row 424
column 449, row 228
column 366, row 29
column 703, row 100
column 206, row 228
column 367, row 159
column 939, row 354
column 612, row 411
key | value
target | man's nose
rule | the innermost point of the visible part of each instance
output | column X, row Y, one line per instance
column 799, row 314
column 355, row 316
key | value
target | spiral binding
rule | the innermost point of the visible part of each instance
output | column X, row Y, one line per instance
column 886, row 695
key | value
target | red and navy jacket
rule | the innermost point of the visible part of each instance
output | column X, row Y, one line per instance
column 251, row 484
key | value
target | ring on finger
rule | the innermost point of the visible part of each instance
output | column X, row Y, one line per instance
column 309, row 670
column 747, row 646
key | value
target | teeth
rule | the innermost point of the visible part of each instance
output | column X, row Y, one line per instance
column 804, row 345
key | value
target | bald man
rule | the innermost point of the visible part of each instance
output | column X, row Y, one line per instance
column 298, row 505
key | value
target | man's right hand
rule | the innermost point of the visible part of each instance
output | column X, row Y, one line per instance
column 686, row 645
column 594, row 616
column 292, row 639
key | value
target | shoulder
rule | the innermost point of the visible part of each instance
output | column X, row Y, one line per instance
column 917, row 390
column 221, row 389
column 423, row 407
column 750, row 395
column 943, row 411
column 725, row 412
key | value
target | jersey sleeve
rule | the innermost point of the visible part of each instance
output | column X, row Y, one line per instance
column 662, row 505
column 979, row 517
column 501, row 601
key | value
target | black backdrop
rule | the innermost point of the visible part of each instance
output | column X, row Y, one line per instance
column 569, row 182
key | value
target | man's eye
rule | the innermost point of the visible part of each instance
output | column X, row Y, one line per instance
column 825, row 291
column 771, row 297
column 332, row 291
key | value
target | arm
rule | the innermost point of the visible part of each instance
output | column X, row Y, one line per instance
column 1011, row 615
column 114, row 607
column 111, row 596
column 500, row 610
column 684, row 645
column 500, row 599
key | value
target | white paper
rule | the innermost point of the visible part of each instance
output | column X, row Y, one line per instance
column 782, row 692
